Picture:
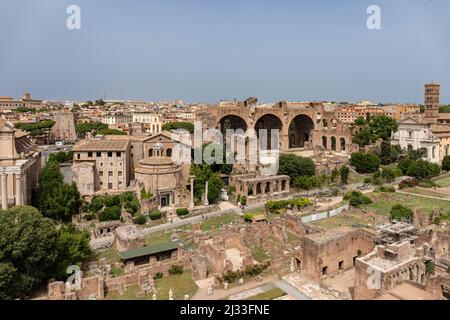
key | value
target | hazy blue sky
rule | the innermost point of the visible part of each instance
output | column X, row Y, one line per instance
column 207, row 50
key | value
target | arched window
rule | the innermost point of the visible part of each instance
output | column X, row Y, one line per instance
column 342, row 144
column 169, row 152
column 324, row 141
column 150, row 152
column 333, row 143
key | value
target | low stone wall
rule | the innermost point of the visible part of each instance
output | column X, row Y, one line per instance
column 324, row 215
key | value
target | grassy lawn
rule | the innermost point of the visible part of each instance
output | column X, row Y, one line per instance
column 292, row 237
column 383, row 202
column 180, row 285
column 268, row 295
column 356, row 178
column 129, row 294
column 425, row 192
column 157, row 237
column 444, row 182
column 354, row 218
column 111, row 255
column 259, row 254
column 217, row 221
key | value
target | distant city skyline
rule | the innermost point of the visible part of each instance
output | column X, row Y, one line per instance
column 207, row 51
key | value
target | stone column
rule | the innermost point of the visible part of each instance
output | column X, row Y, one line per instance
column 18, row 177
column 4, row 191
column 25, row 194
column 191, row 204
column 280, row 182
column 245, row 189
column 206, row 202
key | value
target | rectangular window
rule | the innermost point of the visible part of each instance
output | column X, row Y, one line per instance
column 99, row 154
column 89, row 154
column 110, row 185
column 118, row 154
column 78, row 156
column 109, row 154
column 110, row 173
column 120, row 173
column 100, row 173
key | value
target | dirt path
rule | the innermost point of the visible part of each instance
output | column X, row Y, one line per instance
column 202, row 294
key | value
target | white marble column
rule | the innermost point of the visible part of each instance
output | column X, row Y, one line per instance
column 4, row 183
column 18, row 186
column 206, row 202
column 191, row 204
column 25, row 194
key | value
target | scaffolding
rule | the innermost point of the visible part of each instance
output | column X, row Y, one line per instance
column 396, row 231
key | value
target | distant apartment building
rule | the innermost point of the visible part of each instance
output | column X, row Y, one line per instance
column 116, row 118
column 152, row 121
column 101, row 165
column 8, row 103
column 401, row 109
column 349, row 114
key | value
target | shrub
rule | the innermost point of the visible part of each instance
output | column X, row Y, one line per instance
column 176, row 269
column 158, row 275
column 182, row 212
column 248, row 217
column 155, row 215
column 140, row 219
column 365, row 162
column 446, row 163
column 243, row 200
column 422, row 169
column 427, row 183
column 367, row 180
column 408, row 183
column 361, row 200
column 429, row 266
column 111, row 201
column 387, row 189
column 302, row 202
column 110, row 213
column 400, row 212
column 357, row 198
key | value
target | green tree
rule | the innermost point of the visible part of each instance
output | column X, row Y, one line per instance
column 363, row 137
column 334, row 173
column 203, row 173
column 111, row 132
column 422, row 169
column 189, row 126
column 383, row 126
column 446, row 163
column 399, row 212
column 344, row 172
column 388, row 174
column 56, row 199
column 295, row 166
column 27, row 251
column 365, row 162
column 360, row 121
column 72, row 248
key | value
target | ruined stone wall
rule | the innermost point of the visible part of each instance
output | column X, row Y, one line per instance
column 329, row 257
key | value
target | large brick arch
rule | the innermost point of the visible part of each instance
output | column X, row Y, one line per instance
column 269, row 122
column 301, row 131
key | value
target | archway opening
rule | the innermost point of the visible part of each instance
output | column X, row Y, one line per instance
column 333, row 143
column 300, row 131
column 342, row 144
column 271, row 124
column 232, row 122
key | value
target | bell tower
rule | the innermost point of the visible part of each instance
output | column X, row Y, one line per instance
column 431, row 102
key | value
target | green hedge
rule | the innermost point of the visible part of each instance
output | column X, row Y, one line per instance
column 182, row 211
column 277, row 205
column 155, row 215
